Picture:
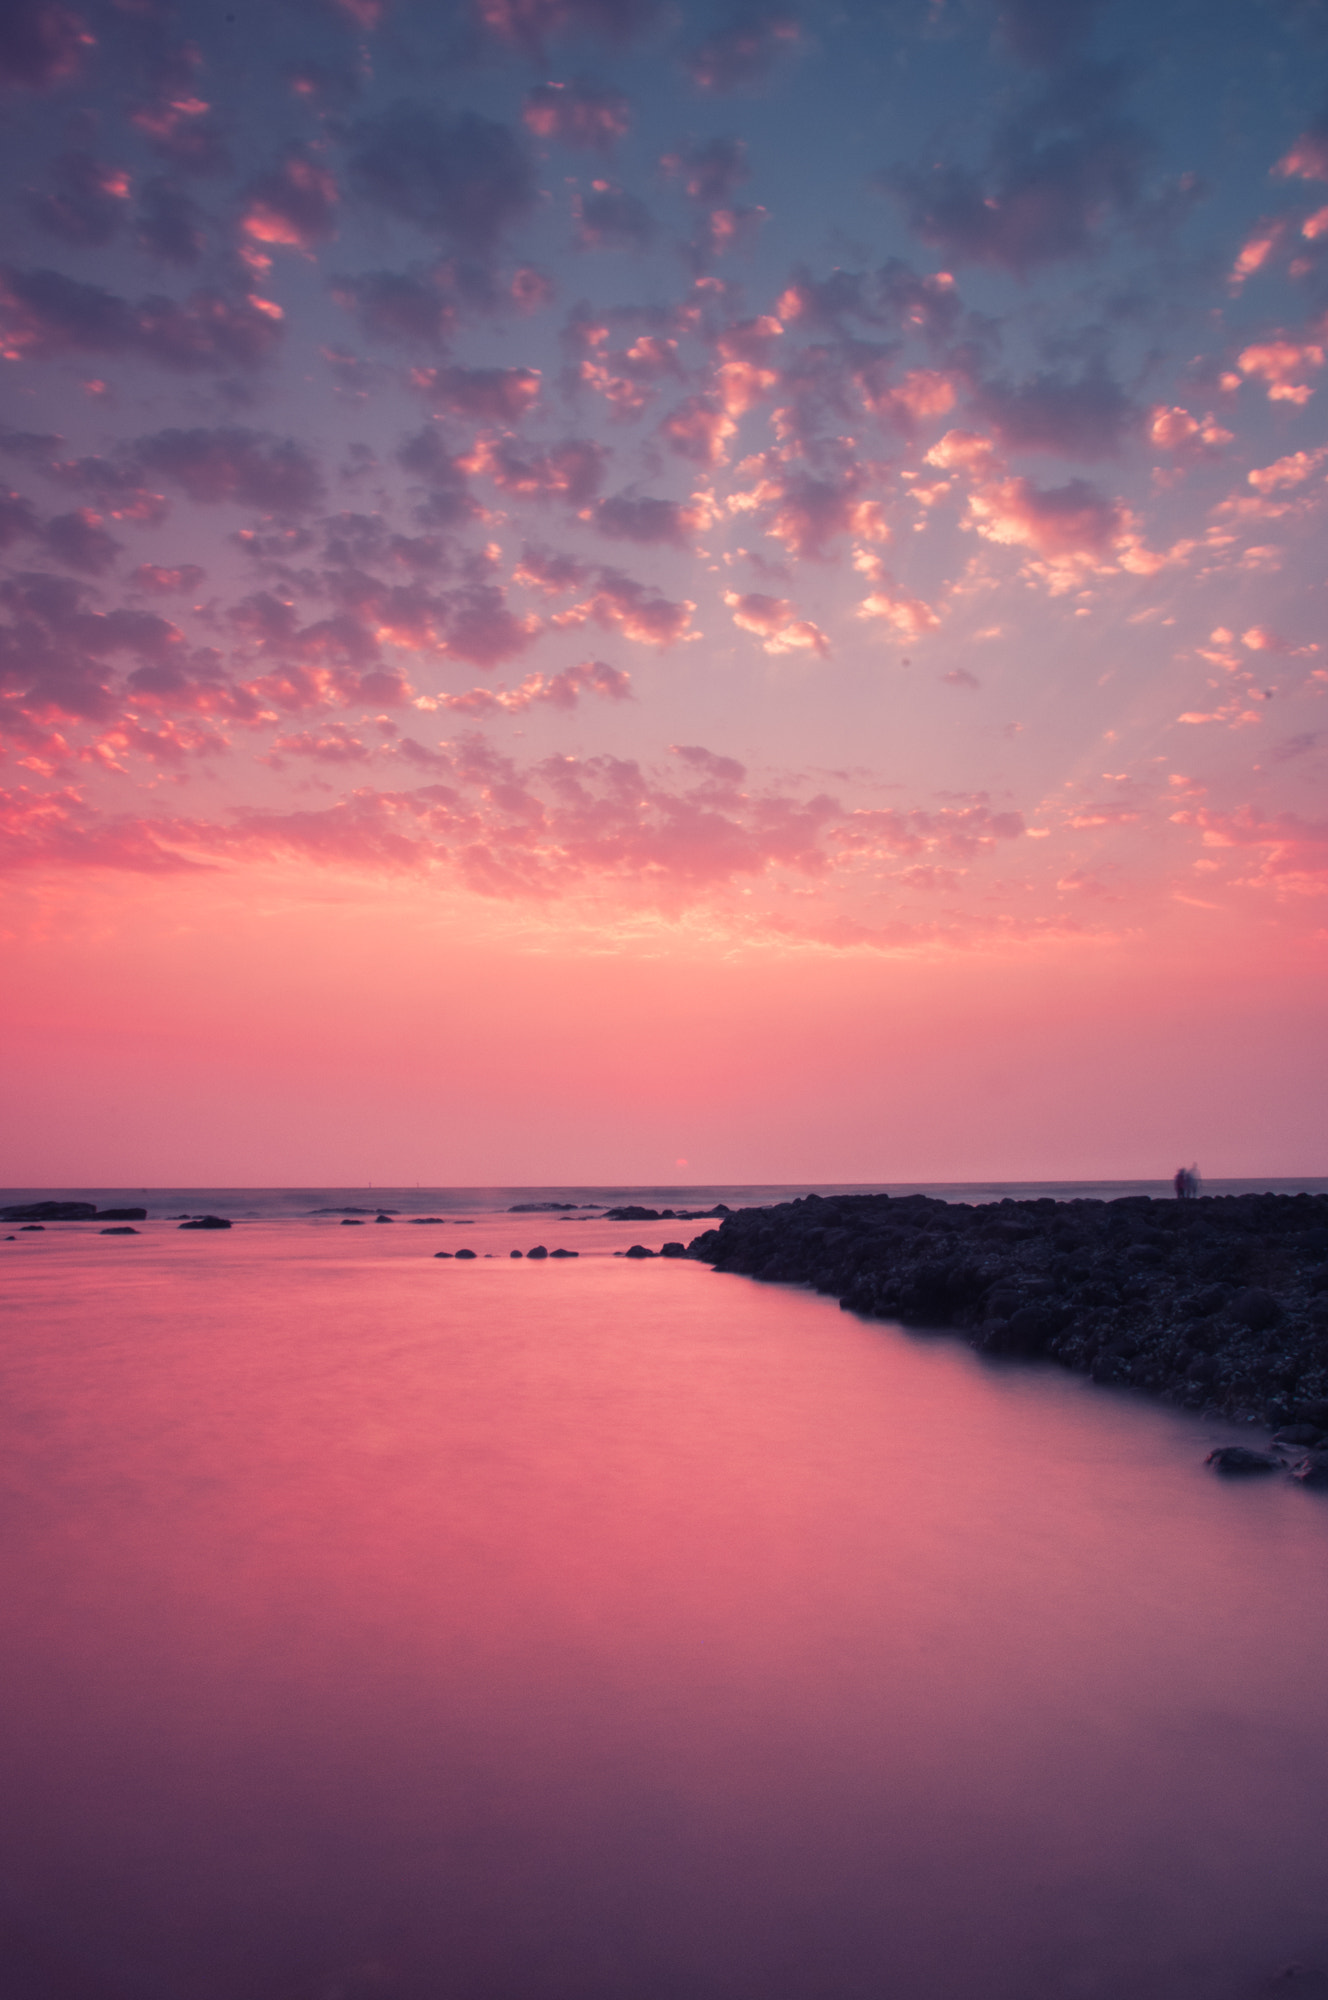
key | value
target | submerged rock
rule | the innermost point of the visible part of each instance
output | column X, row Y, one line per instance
column 447, row 1253
column 206, row 1222
column 1238, row 1459
column 122, row 1229
column 564, row 1253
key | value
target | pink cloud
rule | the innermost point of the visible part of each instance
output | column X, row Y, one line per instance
column 577, row 114
column 1308, row 158
column 908, row 615
column 562, row 690
column 619, row 604
column 571, row 471
column 1293, row 470
column 1176, row 430
column 776, row 623
column 1255, row 252
column 501, row 395
column 699, row 430
column 293, row 206
column 1279, row 362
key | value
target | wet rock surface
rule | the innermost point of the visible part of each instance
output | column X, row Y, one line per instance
column 1219, row 1304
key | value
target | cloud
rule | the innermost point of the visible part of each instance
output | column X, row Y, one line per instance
column 464, row 177
column 1308, row 158
column 610, row 219
column 179, row 128
column 1292, row 851
column 711, row 173
column 529, row 24
column 579, row 114
column 1177, row 431
column 86, row 205
column 1293, row 470
column 1045, row 31
column 571, row 471
column 426, row 458
column 44, row 314
column 630, row 376
column 625, row 518
column 1280, row 362
column 1074, row 519
column 294, row 205
column 699, row 429
column 961, row 831
column 805, row 511
column 776, row 624
column 1084, row 417
column 619, row 603
column 80, row 541
column 1058, row 171
column 960, row 677
column 168, row 224
column 562, row 690
column 242, row 467
column 41, row 44
column 166, row 582
column 407, row 308
column 499, row 395
column 743, row 52
column 909, row 616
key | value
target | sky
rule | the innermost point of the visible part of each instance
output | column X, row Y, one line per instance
column 612, row 591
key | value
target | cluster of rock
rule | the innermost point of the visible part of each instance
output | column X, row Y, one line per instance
column 635, row 1214
column 70, row 1211
column 1219, row 1303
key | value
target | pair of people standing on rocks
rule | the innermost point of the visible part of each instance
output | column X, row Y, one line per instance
column 1187, row 1183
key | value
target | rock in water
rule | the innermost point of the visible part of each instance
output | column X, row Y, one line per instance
column 1238, row 1459
column 1312, row 1470
column 447, row 1253
column 124, row 1229
column 206, row 1222
column 538, row 1251
column 564, row 1253
column 639, row 1250
column 50, row 1211
column 121, row 1215
column 463, row 1253
column 673, row 1249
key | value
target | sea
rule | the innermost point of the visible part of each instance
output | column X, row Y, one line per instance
column 382, row 1625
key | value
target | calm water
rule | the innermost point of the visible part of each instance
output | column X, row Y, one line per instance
column 384, row 1628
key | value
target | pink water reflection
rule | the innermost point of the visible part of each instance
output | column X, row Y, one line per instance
column 380, row 1628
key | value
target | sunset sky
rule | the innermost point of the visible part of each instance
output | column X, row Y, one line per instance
column 604, row 590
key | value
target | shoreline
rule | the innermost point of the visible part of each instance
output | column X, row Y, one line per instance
column 1218, row 1304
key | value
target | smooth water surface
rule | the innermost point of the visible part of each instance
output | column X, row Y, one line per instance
column 381, row 1627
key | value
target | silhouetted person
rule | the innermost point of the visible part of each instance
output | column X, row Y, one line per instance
column 1186, row 1183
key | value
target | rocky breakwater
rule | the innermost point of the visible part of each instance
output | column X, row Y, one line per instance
column 1220, row 1303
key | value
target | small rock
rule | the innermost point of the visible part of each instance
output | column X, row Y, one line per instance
column 638, row 1250
column 673, row 1249
column 351, row 1222
column 564, row 1253
column 385, row 1218
column 538, row 1251
column 206, row 1222
column 465, row 1253
column 1312, row 1470
column 1239, row 1459
column 33, row 1229
column 124, row 1230
column 122, row 1215
column 447, row 1253
column 515, row 1253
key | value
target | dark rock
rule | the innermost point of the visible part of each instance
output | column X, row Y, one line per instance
column 1312, row 1470
column 385, row 1218
column 1254, row 1309
column 515, row 1253
column 1312, row 1413
column 206, row 1222
column 447, row 1253
column 638, row 1250
column 538, row 1251
column 632, row 1214
column 545, row 1207
column 564, row 1253
column 50, row 1211
column 1238, row 1459
column 424, row 1218
column 351, row 1222
column 124, row 1229
column 466, row 1253
column 673, row 1250
column 121, row 1215
column 1306, row 1434
column 33, row 1229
